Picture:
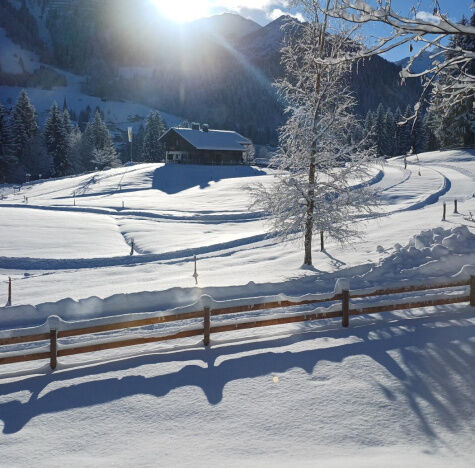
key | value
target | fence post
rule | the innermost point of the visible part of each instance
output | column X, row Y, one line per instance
column 444, row 209
column 53, row 348
column 455, row 207
column 472, row 290
column 206, row 325
column 9, row 301
column 132, row 247
column 345, row 308
column 322, row 245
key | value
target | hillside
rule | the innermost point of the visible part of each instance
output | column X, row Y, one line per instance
column 173, row 212
column 421, row 63
column 394, row 389
column 220, row 71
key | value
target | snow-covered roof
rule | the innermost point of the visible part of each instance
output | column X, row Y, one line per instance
column 212, row 139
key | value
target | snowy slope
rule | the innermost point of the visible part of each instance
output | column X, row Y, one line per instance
column 173, row 212
column 393, row 390
column 118, row 114
column 13, row 56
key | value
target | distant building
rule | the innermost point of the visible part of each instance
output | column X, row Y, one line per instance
column 197, row 145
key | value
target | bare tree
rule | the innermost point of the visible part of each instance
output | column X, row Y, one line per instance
column 451, row 61
column 320, row 186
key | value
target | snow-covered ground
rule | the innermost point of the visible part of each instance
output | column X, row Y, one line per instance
column 391, row 390
column 14, row 59
column 174, row 212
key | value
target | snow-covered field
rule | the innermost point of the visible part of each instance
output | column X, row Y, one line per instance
column 392, row 390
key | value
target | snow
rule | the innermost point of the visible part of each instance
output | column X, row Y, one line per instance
column 379, row 394
column 10, row 54
column 213, row 139
column 393, row 389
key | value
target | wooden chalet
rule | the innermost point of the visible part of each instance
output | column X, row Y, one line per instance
column 201, row 145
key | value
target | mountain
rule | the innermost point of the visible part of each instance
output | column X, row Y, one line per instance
column 217, row 70
column 228, row 25
column 421, row 63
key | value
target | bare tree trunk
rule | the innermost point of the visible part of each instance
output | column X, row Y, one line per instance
column 309, row 214
column 311, row 169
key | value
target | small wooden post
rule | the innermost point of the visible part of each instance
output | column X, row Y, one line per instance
column 405, row 162
column 444, row 210
column 455, row 206
column 53, row 348
column 9, row 302
column 195, row 274
column 322, row 246
column 472, row 290
column 206, row 325
column 132, row 247
column 345, row 308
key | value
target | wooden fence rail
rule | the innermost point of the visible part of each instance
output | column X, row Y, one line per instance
column 345, row 312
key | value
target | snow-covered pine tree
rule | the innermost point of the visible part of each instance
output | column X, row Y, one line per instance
column 389, row 134
column 37, row 160
column 75, row 151
column 97, row 137
column 379, row 129
column 368, row 130
column 68, row 126
column 98, row 132
column 398, row 133
column 56, row 139
column 405, row 134
column 155, row 127
column 454, row 59
column 431, row 142
column 23, row 126
column 318, row 166
column 105, row 158
column 453, row 115
column 7, row 159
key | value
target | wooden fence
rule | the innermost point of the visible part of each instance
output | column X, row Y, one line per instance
column 207, row 329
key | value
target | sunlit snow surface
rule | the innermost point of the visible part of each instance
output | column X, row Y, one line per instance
column 392, row 390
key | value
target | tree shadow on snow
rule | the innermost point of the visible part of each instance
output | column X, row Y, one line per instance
column 174, row 178
column 424, row 385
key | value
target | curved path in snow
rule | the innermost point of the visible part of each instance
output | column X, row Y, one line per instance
column 221, row 203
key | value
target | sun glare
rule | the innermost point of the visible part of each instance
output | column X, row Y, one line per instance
column 182, row 11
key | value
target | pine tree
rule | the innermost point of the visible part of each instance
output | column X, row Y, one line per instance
column 152, row 149
column 452, row 106
column 98, row 133
column 368, row 130
column 398, row 133
column 56, row 140
column 98, row 148
column 431, row 122
column 379, row 129
column 7, row 159
column 67, row 121
column 104, row 158
column 405, row 135
column 37, row 159
column 24, row 126
column 75, row 151
column 389, row 134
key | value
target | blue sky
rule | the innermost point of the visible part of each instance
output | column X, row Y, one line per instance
column 264, row 11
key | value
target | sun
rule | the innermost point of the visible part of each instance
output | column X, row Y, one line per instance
column 182, row 11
